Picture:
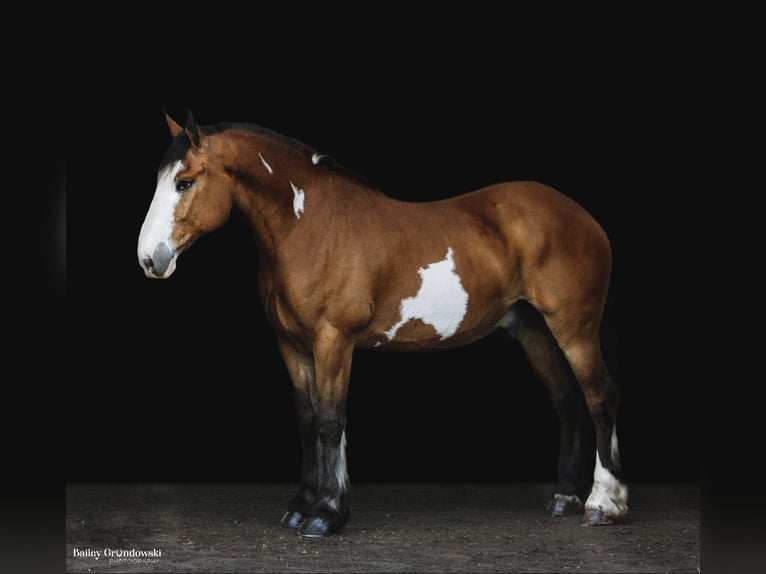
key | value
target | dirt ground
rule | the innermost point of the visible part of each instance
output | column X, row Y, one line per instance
column 393, row 528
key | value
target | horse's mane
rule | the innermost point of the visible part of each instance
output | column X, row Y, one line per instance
column 180, row 145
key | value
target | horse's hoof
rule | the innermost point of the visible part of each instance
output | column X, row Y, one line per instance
column 597, row 517
column 564, row 505
column 316, row 527
column 291, row 519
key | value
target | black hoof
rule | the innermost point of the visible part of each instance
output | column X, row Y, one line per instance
column 316, row 527
column 564, row 505
column 292, row 519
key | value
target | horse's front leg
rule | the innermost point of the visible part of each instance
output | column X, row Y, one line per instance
column 301, row 370
column 329, row 511
column 320, row 507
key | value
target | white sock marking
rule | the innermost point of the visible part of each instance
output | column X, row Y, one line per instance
column 341, row 473
column 568, row 498
column 569, row 501
column 299, row 198
column 608, row 493
column 440, row 302
column 266, row 164
column 615, row 449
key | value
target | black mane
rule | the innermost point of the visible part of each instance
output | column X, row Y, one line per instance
column 181, row 144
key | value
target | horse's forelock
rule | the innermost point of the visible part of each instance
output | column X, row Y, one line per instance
column 176, row 150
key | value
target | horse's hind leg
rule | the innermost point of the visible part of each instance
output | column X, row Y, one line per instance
column 527, row 325
column 608, row 500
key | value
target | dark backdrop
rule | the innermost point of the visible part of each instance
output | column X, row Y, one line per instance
column 181, row 379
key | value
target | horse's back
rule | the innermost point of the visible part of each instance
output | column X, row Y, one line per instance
column 523, row 202
column 522, row 227
column 559, row 250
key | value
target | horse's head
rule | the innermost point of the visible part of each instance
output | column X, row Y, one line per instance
column 193, row 197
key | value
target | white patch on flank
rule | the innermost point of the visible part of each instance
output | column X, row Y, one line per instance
column 160, row 219
column 315, row 158
column 440, row 302
column 266, row 164
column 608, row 493
column 298, row 200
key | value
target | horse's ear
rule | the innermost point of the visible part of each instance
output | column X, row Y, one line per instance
column 175, row 129
column 192, row 130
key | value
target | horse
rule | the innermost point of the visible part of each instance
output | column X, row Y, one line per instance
column 343, row 266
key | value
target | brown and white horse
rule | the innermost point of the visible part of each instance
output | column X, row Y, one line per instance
column 343, row 266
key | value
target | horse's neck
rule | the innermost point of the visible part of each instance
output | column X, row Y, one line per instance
column 278, row 188
column 262, row 189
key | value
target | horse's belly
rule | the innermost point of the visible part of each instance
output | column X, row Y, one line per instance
column 420, row 338
column 446, row 325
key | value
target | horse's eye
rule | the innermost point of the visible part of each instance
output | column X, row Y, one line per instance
column 183, row 185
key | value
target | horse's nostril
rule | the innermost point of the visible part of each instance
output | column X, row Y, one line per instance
column 148, row 263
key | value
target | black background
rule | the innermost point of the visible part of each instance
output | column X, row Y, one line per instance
column 181, row 379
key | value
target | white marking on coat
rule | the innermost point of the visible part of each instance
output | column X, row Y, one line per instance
column 341, row 472
column 160, row 219
column 298, row 200
column 608, row 493
column 266, row 164
column 315, row 158
column 440, row 302
column 615, row 449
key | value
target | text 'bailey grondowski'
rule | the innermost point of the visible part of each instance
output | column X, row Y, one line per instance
column 116, row 553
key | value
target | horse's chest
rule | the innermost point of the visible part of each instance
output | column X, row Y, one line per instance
column 296, row 303
column 282, row 308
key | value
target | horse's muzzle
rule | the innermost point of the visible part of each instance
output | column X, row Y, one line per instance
column 161, row 263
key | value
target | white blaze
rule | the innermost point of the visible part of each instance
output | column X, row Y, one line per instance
column 158, row 225
column 298, row 200
column 440, row 302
